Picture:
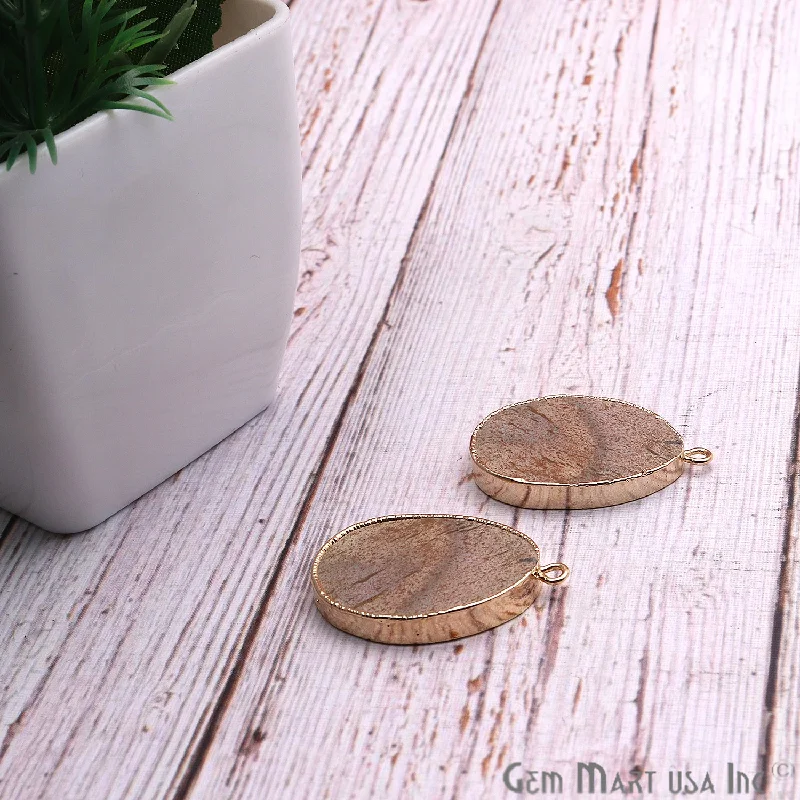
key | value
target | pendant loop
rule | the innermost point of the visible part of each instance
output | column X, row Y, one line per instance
column 697, row 455
column 542, row 573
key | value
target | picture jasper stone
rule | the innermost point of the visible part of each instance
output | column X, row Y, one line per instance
column 427, row 578
column 576, row 452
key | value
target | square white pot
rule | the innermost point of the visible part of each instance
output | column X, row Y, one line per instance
column 147, row 280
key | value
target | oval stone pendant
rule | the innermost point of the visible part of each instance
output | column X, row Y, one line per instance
column 577, row 452
column 421, row 578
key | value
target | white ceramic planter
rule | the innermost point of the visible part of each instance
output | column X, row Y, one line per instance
column 147, row 281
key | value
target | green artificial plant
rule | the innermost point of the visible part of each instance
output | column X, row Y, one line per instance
column 62, row 61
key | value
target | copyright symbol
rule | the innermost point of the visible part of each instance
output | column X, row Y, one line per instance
column 783, row 770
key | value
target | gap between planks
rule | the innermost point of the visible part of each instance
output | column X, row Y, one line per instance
column 782, row 603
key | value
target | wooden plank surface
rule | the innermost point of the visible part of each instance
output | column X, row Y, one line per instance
column 503, row 199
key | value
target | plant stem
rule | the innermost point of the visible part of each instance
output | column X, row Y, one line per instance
column 34, row 63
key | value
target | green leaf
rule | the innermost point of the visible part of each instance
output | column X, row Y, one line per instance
column 150, row 98
column 5, row 148
column 112, row 105
column 50, row 141
column 32, row 148
column 8, row 12
column 14, row 151
column 125, row 16
column 172, row 33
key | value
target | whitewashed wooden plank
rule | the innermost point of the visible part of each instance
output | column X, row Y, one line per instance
column 46, row 586
column 617, row 213
column 127, row 636
column 780, row 743
column 780, row 729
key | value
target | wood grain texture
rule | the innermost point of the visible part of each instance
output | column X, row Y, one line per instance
column 503, row 200
column 616, row 214
column 120, row 645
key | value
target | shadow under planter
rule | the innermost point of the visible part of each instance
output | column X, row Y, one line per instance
column 147, row 280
